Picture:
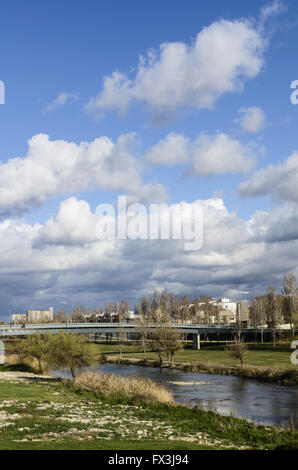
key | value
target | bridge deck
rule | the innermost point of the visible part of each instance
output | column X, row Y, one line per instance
column 18, row 330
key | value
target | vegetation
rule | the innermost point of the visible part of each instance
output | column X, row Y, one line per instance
column 164, row 342
column 58, row 415
column 61, row 351
column 111, row 385
column 263, row 362
column 71, row 351
column 237, row 351
column 36, row 347
column 264, row 355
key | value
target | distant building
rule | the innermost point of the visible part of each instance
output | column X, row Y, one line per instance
column 226, row 304
column 17, row 318
column 33, row 316
column 40, row 316
column 131, row 316
column 243, row 313
column 225, row 311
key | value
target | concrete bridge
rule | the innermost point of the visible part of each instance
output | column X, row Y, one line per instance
column 196, row 330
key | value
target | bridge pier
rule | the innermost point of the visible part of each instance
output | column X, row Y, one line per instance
column 196, row 341
column 2, row 352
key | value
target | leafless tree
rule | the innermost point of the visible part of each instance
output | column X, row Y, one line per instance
column 290, row 299
column 274, row 310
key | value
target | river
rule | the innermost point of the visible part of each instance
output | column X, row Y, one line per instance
column 260, row 402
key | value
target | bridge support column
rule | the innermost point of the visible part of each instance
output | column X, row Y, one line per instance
column 196, row 341
column 2, row 352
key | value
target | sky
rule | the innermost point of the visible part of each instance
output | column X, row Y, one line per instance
column 163, row 102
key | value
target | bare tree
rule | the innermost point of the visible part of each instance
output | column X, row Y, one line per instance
column 290, row 303
column 143, row 329
column 273, row 310
column 163, row 340
column 237, row 351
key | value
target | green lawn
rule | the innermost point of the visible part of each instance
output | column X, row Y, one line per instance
column 103, row 445
column 261, row 355
column 53, row 415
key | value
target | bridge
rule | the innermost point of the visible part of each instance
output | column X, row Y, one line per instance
column 196, row 330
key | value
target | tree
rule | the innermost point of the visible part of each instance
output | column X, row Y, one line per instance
column 78, row 314
column 237, row 350
column 290, row 303
column 122, row 335
column 257, row 314
column 61, row 316
column 163, row 340
column 70, row 350
column 273, row 310
column 144, row 332
column 207, row 307
column 36, row 347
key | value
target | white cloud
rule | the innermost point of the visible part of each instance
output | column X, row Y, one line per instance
column 271, row 9
column 62, row 261
column 169, row 151
column 219, row 154
column 74, row 224
column 208, row 154
column 59, row 167
column 280, row 182
column 223, row 56
column 61, row 100
column 252, row 119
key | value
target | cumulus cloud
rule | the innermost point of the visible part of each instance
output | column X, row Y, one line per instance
column 208, row 154
column 62, row 261
column 61, row 100
column 252, row 119
column 219, row 154
column 59, row 167
column 169, row 151
column 280, row 181
column 74, row 224
column 223, row 56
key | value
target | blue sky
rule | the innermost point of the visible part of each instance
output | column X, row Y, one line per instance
column 70, row 46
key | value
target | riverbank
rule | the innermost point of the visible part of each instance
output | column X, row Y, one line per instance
column 287, row 376
column 260, row 355
column 43, row 413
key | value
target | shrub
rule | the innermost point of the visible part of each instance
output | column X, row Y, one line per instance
column 237, row 351
column 70, row 350
column 111, row 385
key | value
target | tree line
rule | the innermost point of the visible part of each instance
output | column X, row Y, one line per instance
column 273, row 308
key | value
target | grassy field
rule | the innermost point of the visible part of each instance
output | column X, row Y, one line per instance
column 40, row 414
column 261, row 355
column 103, row 445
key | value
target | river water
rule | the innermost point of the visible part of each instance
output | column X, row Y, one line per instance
column 261, row 402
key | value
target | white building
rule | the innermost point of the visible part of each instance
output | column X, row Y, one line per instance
column 40, row 316
column 226, row 304
column 17, row 318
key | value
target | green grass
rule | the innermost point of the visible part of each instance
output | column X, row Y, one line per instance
column 60, row 417
column 34, row 391
column 261, row 355
column 103, row 445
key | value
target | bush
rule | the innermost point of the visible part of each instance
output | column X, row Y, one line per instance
column 111, row 385
column 70, row 350
column 237, row 351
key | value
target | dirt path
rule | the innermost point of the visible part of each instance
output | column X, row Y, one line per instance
column 16, row 376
